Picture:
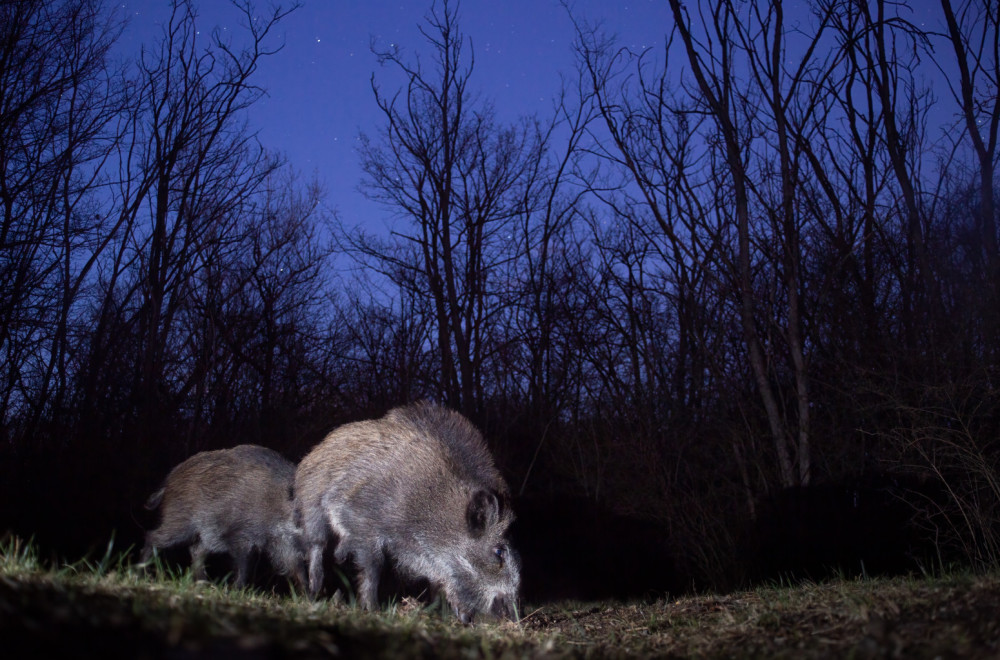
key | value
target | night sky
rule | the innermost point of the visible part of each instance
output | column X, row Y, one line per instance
column 319, row 94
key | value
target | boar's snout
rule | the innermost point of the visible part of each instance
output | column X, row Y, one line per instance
column 503, row 608
column 491, row 588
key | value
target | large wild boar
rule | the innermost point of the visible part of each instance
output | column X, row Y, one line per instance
column 230, row 501
column 419, row 486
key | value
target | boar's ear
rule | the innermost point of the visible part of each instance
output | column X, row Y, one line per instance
column 483, row 512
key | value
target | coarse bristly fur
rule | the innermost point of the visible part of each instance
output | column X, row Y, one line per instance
column 230, row 501
column 418, row 485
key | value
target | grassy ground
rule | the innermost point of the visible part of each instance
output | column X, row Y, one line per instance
column 105, row 607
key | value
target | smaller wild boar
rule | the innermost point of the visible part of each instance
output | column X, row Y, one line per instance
column 230, row 501
column 419, row 486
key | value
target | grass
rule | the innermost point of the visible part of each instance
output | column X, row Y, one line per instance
column 108, row 606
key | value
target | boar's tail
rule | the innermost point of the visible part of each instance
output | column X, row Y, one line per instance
column 155, row 499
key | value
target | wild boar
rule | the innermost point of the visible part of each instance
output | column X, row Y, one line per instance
column 230, row 501
column 419, row 486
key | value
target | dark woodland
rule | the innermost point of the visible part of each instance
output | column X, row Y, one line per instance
column 730, row 312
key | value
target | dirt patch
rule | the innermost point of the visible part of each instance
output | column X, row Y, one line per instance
column 892, row 618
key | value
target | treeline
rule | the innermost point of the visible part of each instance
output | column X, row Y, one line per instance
column 735, row 285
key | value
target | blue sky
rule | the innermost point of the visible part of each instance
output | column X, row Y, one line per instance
column 319, row 96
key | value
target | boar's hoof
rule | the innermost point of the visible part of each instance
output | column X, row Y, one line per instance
column 465, row 616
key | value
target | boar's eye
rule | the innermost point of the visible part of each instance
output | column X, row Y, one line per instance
column 501, row 554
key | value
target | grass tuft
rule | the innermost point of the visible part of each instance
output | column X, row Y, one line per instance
column 18, row 557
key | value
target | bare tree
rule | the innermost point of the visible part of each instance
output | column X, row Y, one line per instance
column 974, row 35
column 252, row 321
column 193, row 181
column 728, row 105
column 545, row 216
column 387, row 358
column 892, row 58
column 58, row 103
column 201, row 166
column 447, row 167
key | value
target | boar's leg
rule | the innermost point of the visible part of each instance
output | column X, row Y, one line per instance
column 241, row 558
column 316, row 568
column 147, row 551
column 368, row 557
column 369, row 570
column 314, row 538
column 297, row 574
column 198, row 553
column 287, row 558
column 147, row 554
